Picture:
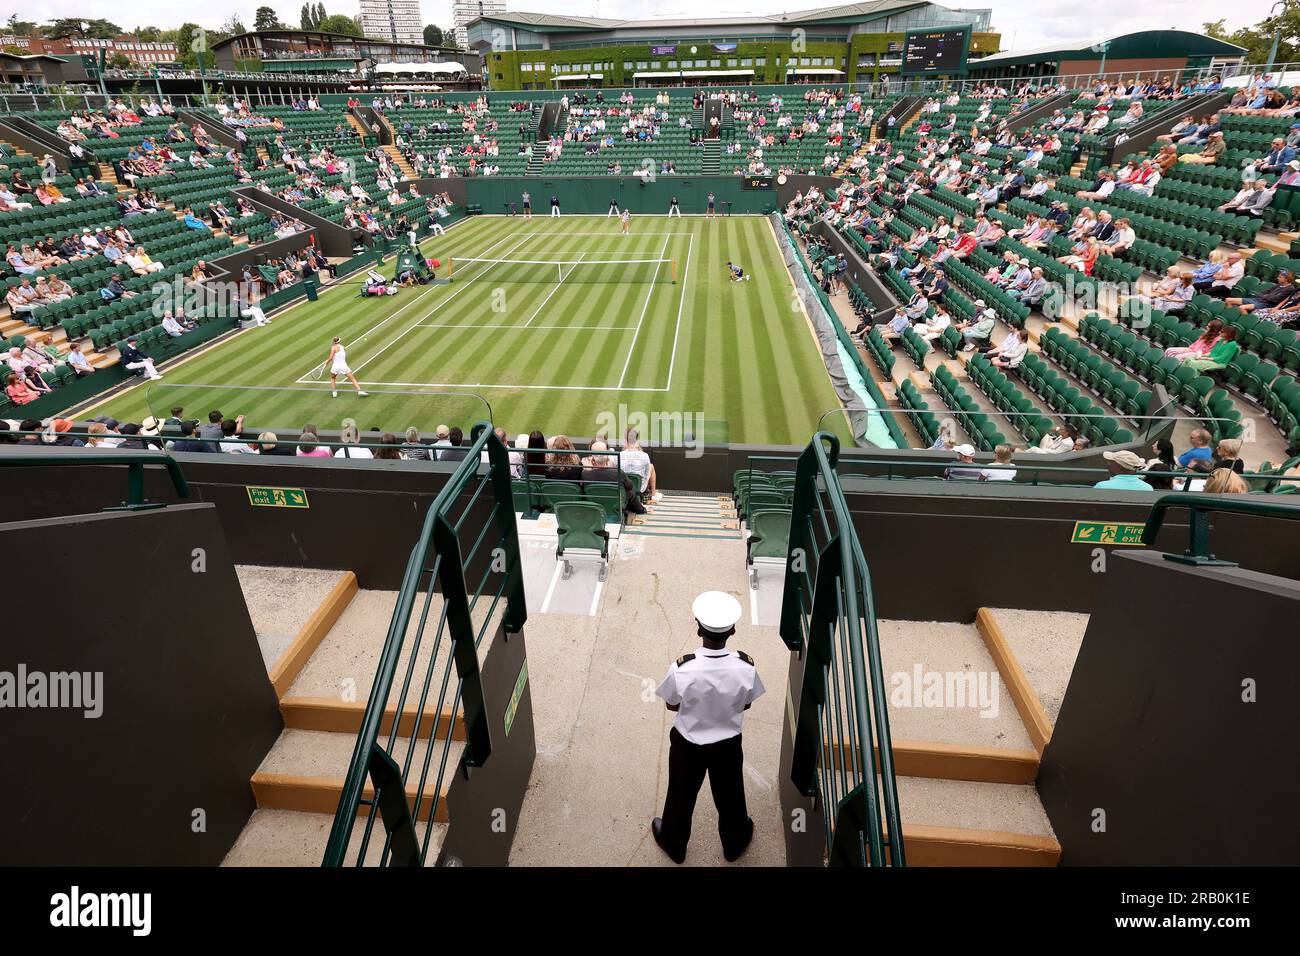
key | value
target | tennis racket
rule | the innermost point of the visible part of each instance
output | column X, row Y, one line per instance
column 318, row 373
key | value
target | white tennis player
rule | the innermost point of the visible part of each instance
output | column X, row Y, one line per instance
column 624, row 219
column 338, row 364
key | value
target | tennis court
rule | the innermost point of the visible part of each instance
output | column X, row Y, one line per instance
column 552, row 323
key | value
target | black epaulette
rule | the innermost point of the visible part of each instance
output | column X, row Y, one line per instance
column 684, row 659
column 745, row 657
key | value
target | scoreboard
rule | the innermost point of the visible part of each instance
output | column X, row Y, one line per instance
column 936, row 51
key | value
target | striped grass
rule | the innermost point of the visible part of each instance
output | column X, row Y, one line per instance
column 565, row 357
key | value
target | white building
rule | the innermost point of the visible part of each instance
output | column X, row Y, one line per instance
column 463, row 11
column 396, row 20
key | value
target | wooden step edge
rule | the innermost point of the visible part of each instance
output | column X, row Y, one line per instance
column 290, row 664
column 1032, row 714
column 959, row 846
column 944, row 761
column 286, row 791
column 344, row 717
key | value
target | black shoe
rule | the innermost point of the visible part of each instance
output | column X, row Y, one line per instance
column 657, row 831
column 731, row 856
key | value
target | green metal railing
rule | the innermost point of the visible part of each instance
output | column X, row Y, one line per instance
column 1200, row 506
column 458, row 543
column 842, row 724
column 135, row 462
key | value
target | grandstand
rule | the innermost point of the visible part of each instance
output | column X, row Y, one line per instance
column 971, row 391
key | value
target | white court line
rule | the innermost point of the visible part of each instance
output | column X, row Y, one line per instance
column 539, row 328
column 635, row 335
column 410, row 328
column 550, row 592
column 595, row 598
column 512, row 385
column 682, row 302
column 303, row 379
column 563, row 276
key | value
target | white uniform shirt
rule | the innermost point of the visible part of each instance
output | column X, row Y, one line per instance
column 712, row 690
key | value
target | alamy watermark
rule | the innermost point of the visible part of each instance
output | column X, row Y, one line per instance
column 662, row 429
column 23, row 689
column 946, row 690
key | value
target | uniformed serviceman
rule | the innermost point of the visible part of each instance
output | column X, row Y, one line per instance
column 709, row 690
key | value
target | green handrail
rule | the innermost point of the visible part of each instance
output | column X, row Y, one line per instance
column 439, row 540
column 828, row 614
column 135, row 462
column 1201, row 506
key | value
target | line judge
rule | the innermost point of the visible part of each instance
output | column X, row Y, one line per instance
column 709, row 690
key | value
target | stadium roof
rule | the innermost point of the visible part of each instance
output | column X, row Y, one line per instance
column 557, row 23
column 1147, row 44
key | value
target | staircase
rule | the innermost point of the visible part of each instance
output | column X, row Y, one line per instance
column 688, row 516
column 400, row 161
column 357, row 125
column 711, row 161
column 320, row 637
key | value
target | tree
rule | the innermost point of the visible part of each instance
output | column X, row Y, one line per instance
column 433, row 35
column 231, row 27
column 338, row 23
column 21, row 28
column 94, row 29
column 266, row 19
column 118, row 61
column 1258, row 39
column 320, row 15
column 449, row 39
column 147, row 34
column 186, row 34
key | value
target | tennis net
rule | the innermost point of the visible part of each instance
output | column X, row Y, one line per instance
column 581, row 270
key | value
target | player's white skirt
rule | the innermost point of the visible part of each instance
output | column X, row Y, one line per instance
column 340, row 368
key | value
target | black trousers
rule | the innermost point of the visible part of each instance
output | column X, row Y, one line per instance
column 687, row 764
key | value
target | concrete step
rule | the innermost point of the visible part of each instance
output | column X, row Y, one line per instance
column 305, row 771
column 292, row 609
column 1043, row 644
column 293, row 838
column 963, row 823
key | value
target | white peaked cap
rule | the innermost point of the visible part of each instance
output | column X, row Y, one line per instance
column 716, row 611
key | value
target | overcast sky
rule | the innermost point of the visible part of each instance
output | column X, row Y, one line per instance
column 1023, row 23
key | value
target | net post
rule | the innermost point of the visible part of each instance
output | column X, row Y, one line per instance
column 674, row 268
column 450, row 267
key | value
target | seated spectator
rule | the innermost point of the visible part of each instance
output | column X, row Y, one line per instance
column 309, row 444
column 1227, row 454
column 563, row 462
column 268, row 444
column 19, row 392
column 634, row 461
column 1251, row 200
column 1220, row 283
column 413, row 448
column 978, row 333
column 449, row 446
column 1124, row 467
column 1001, row 469
column 1057, row 441
column 1270, row 298
column 1201, row 346
column 190, row 441
column 1220, row 355
column 1011, row 351
column 350, row 438
column 965, row 457
column 133, row 360
column 1223, row 481
column 1199, row 449
column 1214, row 148
column 389, row 449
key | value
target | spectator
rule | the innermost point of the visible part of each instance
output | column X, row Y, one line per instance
column 965, row 456
column 1124, row 467
column 1227, row 454
column 19, row 392
column 1001, row 469
column 309, row 444
column 413, row 448
column 1223, row 279
column 451, row 449
column 389, row 450
column 634, row 461
column 190, row 442
column 350, row 438
column 267, row 444
column 563, row 462
column 1224, row 481
column 1221, row 355
column 1199, row 450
